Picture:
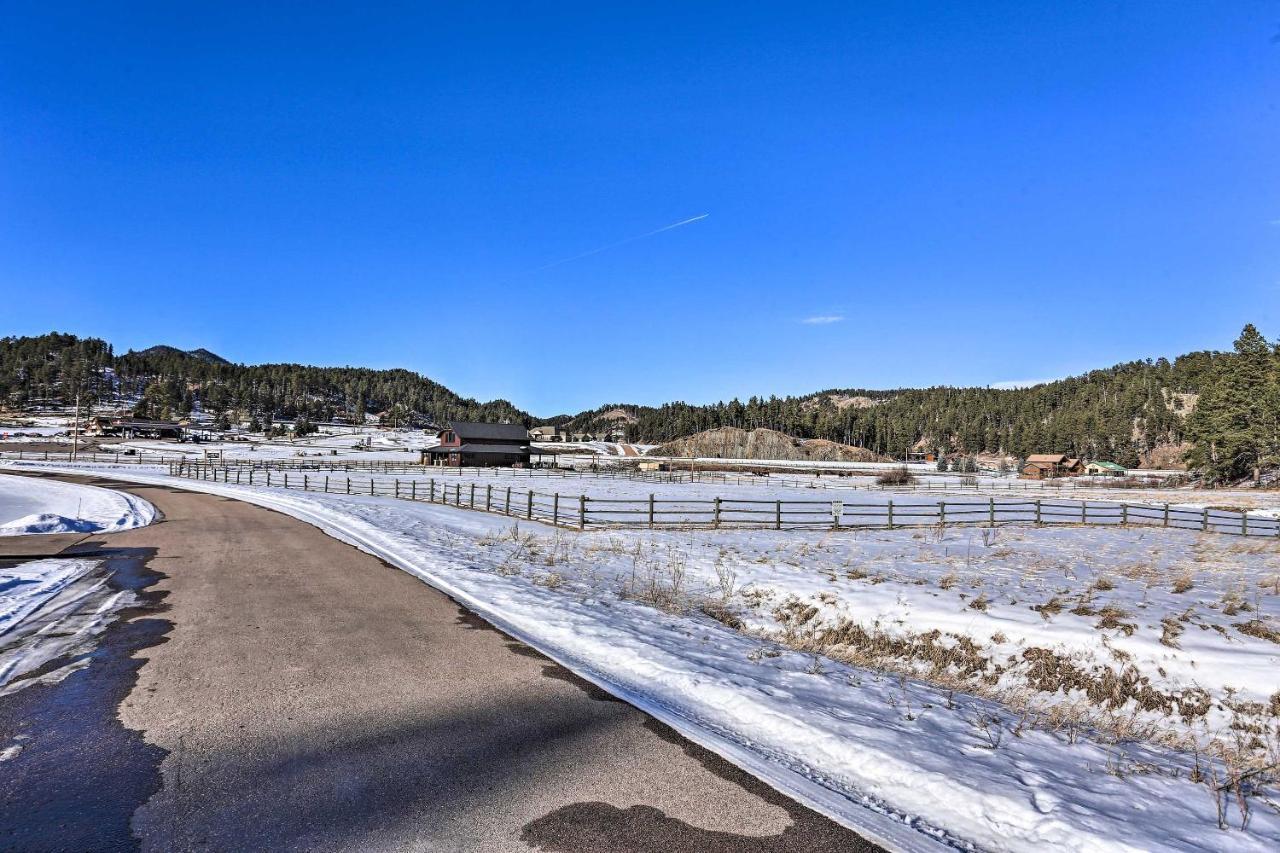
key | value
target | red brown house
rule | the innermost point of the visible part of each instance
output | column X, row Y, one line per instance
column 466, row 444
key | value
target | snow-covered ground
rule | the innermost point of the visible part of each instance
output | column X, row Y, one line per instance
column 29, row 505
column 1018, row 689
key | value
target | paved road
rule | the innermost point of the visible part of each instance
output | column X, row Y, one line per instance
column 281, row 690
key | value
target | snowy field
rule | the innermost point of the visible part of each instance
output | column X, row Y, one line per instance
column 29, row 505
column 1017, row 689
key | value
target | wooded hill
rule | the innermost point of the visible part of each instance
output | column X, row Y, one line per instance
column 171, row 382
column 1226, row 404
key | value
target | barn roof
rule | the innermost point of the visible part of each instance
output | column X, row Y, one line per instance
column 467, row 430
column 1048, row 458
column 481, row 448
column 1107, row 466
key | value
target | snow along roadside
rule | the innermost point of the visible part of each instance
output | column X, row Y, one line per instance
column 32, row 505
column 821, row 742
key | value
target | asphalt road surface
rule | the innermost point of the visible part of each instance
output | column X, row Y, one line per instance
column 277, row 689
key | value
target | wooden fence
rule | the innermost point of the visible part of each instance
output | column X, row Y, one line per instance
column 833, row 481
column 582, row 511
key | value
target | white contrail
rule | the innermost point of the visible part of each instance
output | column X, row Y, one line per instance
column 622, row 242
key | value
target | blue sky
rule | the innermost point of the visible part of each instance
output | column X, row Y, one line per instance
column 894, row 194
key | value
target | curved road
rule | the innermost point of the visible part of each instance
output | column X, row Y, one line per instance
column 281, row 690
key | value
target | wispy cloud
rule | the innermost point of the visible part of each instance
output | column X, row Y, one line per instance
column 822, row 320
column 600, row 249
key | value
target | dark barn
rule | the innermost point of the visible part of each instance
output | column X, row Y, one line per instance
column 474, row 444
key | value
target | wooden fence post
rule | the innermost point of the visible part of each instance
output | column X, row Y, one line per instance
column 305, row 487
column 397, row 482
column 326, row 484
column 991, row 512
column 488, row 496
column 431, row 490
column 1244, row 523
column 1038, row 511
column 506, row 507
column 890, row 513
column 371, row 484
column 942, row 512
column 777, row 515
column 555, row 509
column 348, row 485
column 529, row 512
column 1204, row 520
column 715, row 515
column 1124, row 515
column 413, row 490
column 582, row 512
column 651, row 511
column 1166, row 515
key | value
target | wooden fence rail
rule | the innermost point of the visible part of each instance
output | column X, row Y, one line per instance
column 582, row 511
column 622, row 471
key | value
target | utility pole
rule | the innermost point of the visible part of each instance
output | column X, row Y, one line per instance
column 75, row 429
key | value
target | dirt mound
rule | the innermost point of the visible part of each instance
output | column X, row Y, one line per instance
column 734, row 443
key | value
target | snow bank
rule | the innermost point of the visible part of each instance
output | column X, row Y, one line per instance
column 30, row 505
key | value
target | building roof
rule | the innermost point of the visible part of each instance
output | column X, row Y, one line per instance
column 1041, row 466
column 481, row 448
column 1108, row 466
column 143, row 423
column 467, row 430
column 1048, row 458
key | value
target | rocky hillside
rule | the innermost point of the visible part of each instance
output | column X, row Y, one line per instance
column 734, row 443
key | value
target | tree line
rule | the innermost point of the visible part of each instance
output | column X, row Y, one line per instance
column 1225, row 405
column 164, row 382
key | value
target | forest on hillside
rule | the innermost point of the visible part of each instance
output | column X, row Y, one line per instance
column 1118, row 413
column 168, row 382
column 1226, row 405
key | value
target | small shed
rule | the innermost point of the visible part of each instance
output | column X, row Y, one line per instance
column 1105, row 469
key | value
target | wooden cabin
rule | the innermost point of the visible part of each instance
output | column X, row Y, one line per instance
column 467, row 444
column 1047, row 466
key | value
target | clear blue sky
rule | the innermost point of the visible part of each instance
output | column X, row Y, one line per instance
column 983, row 195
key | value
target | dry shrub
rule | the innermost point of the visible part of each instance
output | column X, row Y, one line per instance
column 896, row 477
column 1258, row 628
column 1049, row 609
column 1111, row 619
column 723, row 614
